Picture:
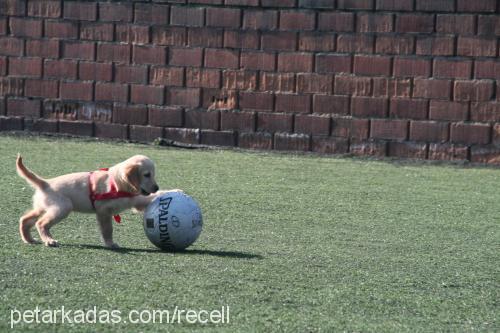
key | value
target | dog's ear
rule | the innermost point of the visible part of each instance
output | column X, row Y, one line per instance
column 132, row 177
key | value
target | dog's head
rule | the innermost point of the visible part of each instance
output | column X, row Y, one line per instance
column 138, row 172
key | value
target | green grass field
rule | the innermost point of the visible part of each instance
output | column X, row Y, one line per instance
column 290, row 244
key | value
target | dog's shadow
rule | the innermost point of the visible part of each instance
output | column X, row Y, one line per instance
column 129, row 250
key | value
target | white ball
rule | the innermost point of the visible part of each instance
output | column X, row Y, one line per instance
column 173, row 221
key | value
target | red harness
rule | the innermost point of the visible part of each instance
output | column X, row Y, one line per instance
column 112, row 194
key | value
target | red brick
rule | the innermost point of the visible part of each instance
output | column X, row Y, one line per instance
column 254, row 3
column 184, row 97
column 452, row 152
column 113, row 52
column 496, row 134
column 446, row 110
column 96, row 31
column 145, row 133
column 205, row 2
column 372, row 65
column 485, row 112
column 223, row 17
column 316, row 4
column 3, row 66
column 350, row 127
column 256, row 101
column 187, row 16
column 149, row 55
column 239, row 80
column 135, row 34
column 436, row 5
column 331, row 104
column 361, row 148
column 370, row 22
column 121, row 11
column 48, row 8
column 184, row 135
column 21, row 27
column 13, row 7
column 414, row 23
column 317, row 41
column 3, row 26
column 79, row 50
column 166, row 35
column 166, row 116
column 260, row 19
column 274, row 122
column 395, row 44
column 130, row 114
column 205, row 37
column 326, row 145
column 66, row 69
column 221, row 58
column 151, row 13
column 45, row 126
column 76, row 90
column 429, row 131
column 202, row 119
column 23, row 107
column 333, row 63
column 11, row 86
column 470, row 133
column 226, row 138
column 255, row 141
column 390, row 87
column 402, row 5
column 11, row 123
column 432, row 88
column 352, row 85
column 185, row 57
column 476, row 6
column 355, row 43
column 131, row 74
column 435, row 45
column 336, row 21
column 488, row 25
column 278, row 3
column 112, row 92
column 314, row 83
column 478, row 90
column 239, row 121
column 85, row 11
column 41, row 88
column 204, row 78
column 407, row 150
column 279, row 41
column 297, row 20
column 42, row 48
column 295, row 62
column 293, row 103
column 168, row 76
column 79, row 128
column 487, row 69
column 355, row 4
column 111, row 131
column 477, row 46
column 369, row 107
column 292, row 142
column 95, row 71
column 312, row 124
column 241, row 39
column 143, row 94
column 389, row 129
column 25, row 67
column 459, row 69
column 409, row 108
column 258, row 60
column 277, row 82
column 455, row 24
column 11, row 46
column 487, row 154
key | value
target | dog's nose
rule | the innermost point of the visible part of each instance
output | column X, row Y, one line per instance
column 155, row 189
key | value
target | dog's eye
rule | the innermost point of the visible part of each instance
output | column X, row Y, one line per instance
column 147, row 174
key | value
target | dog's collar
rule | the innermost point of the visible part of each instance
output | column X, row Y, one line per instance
column 112, row 194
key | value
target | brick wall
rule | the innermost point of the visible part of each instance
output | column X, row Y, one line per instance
column 405, row 78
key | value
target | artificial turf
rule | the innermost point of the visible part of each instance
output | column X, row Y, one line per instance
column 290, row 243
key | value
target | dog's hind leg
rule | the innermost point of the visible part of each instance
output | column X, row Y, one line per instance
column 46, row 221
column 26, row 222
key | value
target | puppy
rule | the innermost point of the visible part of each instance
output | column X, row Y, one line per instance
column 105, row 192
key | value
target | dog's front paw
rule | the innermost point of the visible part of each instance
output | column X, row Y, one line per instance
column 51, row 243
column 112, row 245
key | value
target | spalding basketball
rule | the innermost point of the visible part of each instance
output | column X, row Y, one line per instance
column 173, row 221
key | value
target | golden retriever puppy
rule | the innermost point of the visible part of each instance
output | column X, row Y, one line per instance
column 105, row 192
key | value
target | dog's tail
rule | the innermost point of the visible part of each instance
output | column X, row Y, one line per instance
column 33, row 179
